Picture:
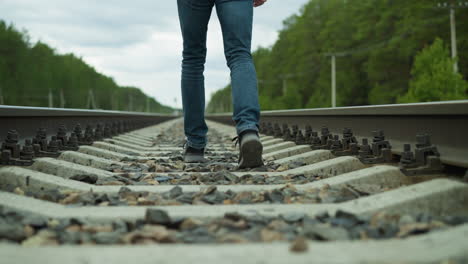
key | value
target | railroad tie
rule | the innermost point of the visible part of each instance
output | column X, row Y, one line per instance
column 130, row 197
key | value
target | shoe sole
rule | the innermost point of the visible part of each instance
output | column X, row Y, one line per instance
column 194, row 159
column 251, row 154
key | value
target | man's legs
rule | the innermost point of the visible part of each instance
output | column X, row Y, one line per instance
column 236, row 22
column 194, row 16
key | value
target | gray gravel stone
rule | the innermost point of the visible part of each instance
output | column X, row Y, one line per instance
column 214, row 198
column 157, row 217
column 68, row 237
column 293, row 217
column 175, row 192
column 326, row 232
column 231, row 177
column 120, row 226
column 87, row 198
column 163, row 178
column 406, row 219
column 344, row 219
column 14, row 232
column 85, row 178
column 275, row 196
column 185, row 198
column 107, row 237
column 35, row 220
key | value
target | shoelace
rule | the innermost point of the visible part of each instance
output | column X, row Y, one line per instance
column 236, row 141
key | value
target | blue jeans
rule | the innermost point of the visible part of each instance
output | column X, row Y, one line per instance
column 235, row 17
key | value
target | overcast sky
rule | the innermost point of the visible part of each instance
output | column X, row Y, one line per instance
column 136, row 42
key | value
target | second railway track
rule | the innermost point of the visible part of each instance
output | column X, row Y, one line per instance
column 124, row 195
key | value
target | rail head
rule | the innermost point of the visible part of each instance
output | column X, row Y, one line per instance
column 27, row 111
column 459, row 107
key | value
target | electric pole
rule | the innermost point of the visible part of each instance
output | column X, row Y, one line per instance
column 333, row 80
column 333, row 74
column 285, row 78
column 147, row 104
column 175, row 104
column 62, row 99
column 91, row 101
column 452, row 5
column 51, row 99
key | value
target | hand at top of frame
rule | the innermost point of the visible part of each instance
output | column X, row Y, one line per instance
column 259, row 2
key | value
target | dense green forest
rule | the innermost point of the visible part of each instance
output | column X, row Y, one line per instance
column 376, row 43
column 33, row 74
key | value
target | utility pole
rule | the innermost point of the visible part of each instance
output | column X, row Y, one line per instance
column 175, row 103
column 333, row 81
column 453, row 34
column 147, row 104
column 91, row 101
column 333, row 74
column 452, row 5
column 62, row 99
column 51, row 99
column 285, row 78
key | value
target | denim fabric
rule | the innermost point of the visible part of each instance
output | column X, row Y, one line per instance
column 235, row 17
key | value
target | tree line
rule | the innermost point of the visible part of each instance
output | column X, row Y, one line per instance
column 385, row 50
column 34, row 74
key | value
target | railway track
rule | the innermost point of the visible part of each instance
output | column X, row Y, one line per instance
column 115, row 189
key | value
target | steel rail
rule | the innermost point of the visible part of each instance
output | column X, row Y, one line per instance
column 27, row 120
column 446, row 122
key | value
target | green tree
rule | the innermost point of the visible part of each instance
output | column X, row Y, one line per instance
column 434, row 78
column 377, row 41
column 28, row 72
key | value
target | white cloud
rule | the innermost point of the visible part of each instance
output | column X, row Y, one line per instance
column 137, row 42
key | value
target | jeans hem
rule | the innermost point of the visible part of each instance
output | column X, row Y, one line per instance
column 245, row 128
column 195, row 146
